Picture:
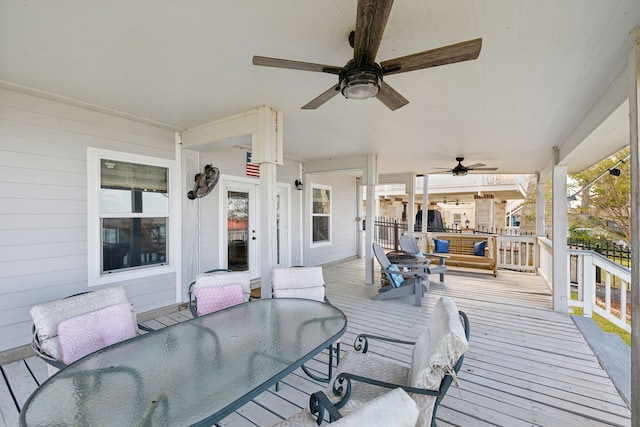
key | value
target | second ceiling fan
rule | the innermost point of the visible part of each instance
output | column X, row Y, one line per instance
column 362, row 77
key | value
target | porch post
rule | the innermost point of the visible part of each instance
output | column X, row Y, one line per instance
column 559, row 207
column 371, row 180
column 267, row 143
column 540, row 209
column 634, row 111
column 411, row 204
column 425, row 206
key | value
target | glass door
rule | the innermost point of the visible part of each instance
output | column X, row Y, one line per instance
column 242, row 232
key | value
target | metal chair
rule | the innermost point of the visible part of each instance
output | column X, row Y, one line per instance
column 437, row 357
column 218, row 289
column 88, row 319
column 307, row 283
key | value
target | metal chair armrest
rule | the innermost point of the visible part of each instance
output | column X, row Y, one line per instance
column 318, row 403
column 361, row 343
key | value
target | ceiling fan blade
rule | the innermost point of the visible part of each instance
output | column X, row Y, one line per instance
column 458, row 52
column 295, row 65
column 371, row 19
column 322, row 98
column 483, row 169
column 390, row 97
column 475, row 165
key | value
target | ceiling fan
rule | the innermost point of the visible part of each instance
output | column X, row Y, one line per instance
column 462, row 170
column 362, row 77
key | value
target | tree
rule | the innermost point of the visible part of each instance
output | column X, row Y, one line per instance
column 606, row 203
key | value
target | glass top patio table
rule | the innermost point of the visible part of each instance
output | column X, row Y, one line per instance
column 192, row 373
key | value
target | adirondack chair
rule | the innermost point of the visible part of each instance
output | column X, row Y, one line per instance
column 307, row 283
column 414, row 281
column 218, row 289
column 437, row 357
column 68, row 329
column 394, row 408
column 409, row 244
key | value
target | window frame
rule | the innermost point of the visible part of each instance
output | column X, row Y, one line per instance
column 94, row 217
column 312, row 215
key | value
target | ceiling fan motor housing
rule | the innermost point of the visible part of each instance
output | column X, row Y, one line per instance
column 360, row 82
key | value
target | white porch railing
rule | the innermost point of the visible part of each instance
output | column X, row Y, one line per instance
column 608, row 299
column 517, row 252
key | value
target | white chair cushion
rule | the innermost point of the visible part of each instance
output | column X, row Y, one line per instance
column 47, row 316
column 439, row 347
column 394, row 408
column 298, row 282
column 89, row 332
column 225, row 278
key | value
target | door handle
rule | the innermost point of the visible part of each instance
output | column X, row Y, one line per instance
column 253, row 238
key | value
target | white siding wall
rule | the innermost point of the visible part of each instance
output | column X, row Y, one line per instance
column 343, row 215
column 43, row 204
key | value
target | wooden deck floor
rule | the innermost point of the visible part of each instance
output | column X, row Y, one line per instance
column 526, row 365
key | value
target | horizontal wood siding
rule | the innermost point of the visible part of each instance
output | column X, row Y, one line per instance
column 343, row 215
column 43, row 208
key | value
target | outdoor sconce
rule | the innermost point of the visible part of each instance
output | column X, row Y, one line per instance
column 298, row 184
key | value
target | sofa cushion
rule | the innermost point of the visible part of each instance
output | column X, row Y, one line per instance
column 479, row 247
column 441, row 246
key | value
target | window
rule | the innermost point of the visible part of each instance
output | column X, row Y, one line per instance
column 129, row 215
column 320, row 214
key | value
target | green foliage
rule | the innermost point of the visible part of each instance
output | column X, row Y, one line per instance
column 605, row 208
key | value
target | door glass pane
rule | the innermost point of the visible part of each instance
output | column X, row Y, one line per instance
column 278, row 229
column 238, row 230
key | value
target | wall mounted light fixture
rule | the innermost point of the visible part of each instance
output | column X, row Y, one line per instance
column 298, row 184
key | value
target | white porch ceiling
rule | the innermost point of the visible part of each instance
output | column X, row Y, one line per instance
column 548, row 74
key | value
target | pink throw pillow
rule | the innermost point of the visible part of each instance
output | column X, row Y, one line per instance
column 89, row 332
column 214, row 298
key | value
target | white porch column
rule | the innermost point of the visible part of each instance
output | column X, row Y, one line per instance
column 371, row 180
column 267, row 144
column 560, row 285
column 425, row 204
column 540, row 210
column 411, row 204
column 634, row 109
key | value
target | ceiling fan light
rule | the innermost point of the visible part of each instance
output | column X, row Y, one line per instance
column 459, row 172
column 360, row 84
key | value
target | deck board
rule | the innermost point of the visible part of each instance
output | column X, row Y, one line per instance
column 526, row 365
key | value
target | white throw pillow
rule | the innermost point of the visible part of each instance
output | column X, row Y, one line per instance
column 394, row 408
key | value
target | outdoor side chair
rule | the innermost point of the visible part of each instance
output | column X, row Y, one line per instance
column 306, row 283
column 68, row 329
column 437, row 357
column 218, row 289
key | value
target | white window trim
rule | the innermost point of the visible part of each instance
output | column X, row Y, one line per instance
column 93, row 217
column 313, row 244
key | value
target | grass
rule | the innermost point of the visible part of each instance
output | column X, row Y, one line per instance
column 607, row 326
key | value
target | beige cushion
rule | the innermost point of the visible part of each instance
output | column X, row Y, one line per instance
column 225, row 278
column 298, row 282
column 394, row 408
column 439, row 347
